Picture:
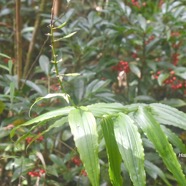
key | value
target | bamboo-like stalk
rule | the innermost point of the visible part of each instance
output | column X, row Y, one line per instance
column 57, row 7
column 18, row 40
column 56, row 11
column 33, row 41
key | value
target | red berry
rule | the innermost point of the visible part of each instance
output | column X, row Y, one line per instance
column 83, row 172
column 76, row 160
column 40, row 138
column 172, row 72
column 37, row 173
column 42, row 171
column 122, row 66
column 174, row 78
column 28, row 140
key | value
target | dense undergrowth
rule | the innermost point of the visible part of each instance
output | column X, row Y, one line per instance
column 117, row 67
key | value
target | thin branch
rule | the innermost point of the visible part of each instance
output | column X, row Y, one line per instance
column 33, row 41
column 35, row 61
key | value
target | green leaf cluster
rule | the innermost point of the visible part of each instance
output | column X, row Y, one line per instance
column 122, row 128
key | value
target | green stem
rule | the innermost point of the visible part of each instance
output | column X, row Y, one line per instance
column 143, row 65
column 54, row 60
column 54, row 57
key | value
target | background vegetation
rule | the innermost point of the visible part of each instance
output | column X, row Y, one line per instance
column 117, row 51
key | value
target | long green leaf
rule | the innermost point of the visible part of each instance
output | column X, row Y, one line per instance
column 34, row 86
column 56, row 124
column 174, row 102
column 130, row 146
column 60, row 26
column 100, row 109
column 65, row 37
column 48, row 96
column 4, row 67
column 27, row 133
column 5, row 56
column 135, row 69
column 113, row 153
column 174, row 139
column 153, row 131
column 168, row 115
column 44, row 63
column 49, row 115
column 84, row 130
column 155, row 171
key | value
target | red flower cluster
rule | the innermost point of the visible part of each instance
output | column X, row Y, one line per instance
column 76, row 160
column 40, row 138
column 37, row 173
column 172, row 80
column 122, row 66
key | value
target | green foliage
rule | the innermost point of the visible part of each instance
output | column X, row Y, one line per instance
column 152, row 130
column 90, row 113
column 124, row 134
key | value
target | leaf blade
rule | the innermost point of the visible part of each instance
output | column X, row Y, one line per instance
column 174, row 139
column 48, row 96
column 83, row 128
column 168, row 115
column 155, row 171
column 49, row 115
column 130, row 146
column 99, row 109
column 44, row 63
column 152, row 130
column 113, row 153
